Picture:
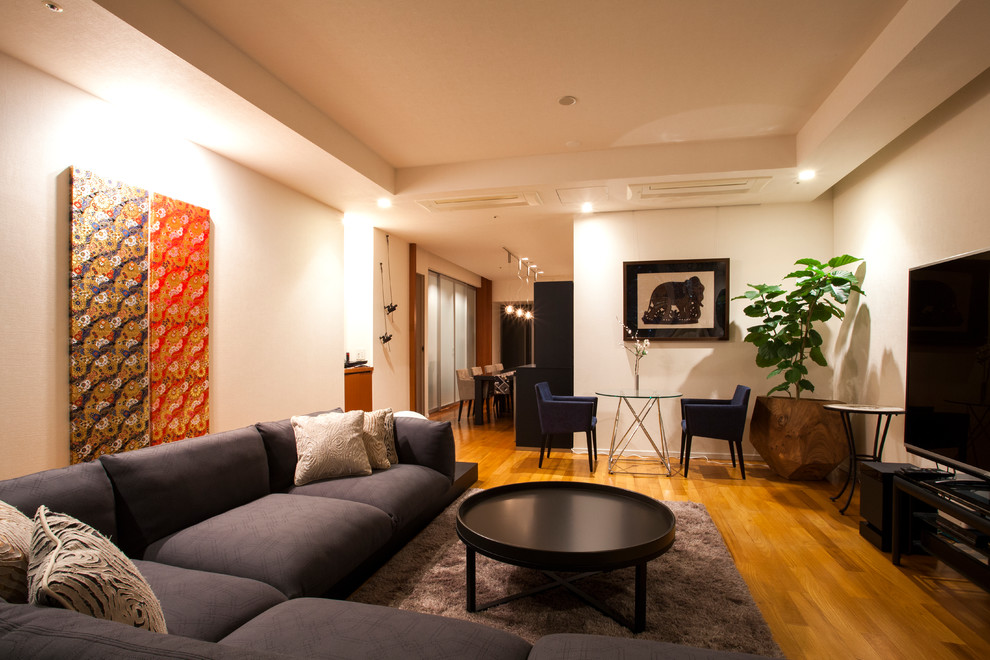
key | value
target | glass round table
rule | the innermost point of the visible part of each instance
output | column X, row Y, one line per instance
column 645, row 400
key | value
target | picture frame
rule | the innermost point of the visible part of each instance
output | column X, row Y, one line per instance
column 686, row 299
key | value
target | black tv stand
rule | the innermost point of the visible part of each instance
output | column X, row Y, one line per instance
column 935, row 516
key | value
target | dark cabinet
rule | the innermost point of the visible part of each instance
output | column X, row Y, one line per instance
column 553, row 355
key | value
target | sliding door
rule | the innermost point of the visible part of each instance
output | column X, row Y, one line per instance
column 451, row 341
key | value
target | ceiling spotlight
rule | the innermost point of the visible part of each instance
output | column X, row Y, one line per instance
column 806, row 175
column 587, row 207
column 567, row 100
column 509, row 309
column 384, row 203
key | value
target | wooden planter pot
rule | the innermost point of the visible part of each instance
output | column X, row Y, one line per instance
column 798, row 438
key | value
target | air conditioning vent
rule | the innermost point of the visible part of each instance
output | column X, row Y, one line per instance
column 491, row 201
column 650, row 191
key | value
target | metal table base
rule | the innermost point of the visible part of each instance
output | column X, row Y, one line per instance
column 618, row 448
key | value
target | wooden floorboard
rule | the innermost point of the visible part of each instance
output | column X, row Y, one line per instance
column 823, row 589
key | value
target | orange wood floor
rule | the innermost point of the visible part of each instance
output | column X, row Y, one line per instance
column 822, row 588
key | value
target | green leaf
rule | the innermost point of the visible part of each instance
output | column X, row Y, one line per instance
column 835, row 262
column 840, row 293
column 782, row 387
column 817, row 356
column 787, row 351
column 808, row 261
column 766, row 355
column 815, row 338
column 792, row 376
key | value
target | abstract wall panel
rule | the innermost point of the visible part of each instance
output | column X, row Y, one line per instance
column 179, row 320
column 139, row 358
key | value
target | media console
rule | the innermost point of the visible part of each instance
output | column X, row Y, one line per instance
column 957, row 531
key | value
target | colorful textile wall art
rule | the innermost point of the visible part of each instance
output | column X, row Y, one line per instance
column 139, row 352
column 180, row 313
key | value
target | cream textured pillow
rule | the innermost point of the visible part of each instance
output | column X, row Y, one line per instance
column 393, row 455
column 15, row 549
column 330, row 445
column 378, row 425
column 75, row 567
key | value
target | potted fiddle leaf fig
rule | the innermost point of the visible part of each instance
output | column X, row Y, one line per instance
column 797, row 438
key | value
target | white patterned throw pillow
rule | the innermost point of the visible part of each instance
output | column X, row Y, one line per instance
column 330, row 445
column 15, row 550
column 378, row 426
column 75, row 567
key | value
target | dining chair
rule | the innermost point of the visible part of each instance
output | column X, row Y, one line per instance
column 489, row 393
column 567, row 414
column 465, row 391
column 504, row 387
column 721, row 419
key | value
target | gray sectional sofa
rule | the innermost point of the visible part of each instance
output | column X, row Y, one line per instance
column 246, row 564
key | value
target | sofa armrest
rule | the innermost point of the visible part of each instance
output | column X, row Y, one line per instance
column 427, row 443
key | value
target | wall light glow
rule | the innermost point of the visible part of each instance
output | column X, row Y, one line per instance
column 806, row 175
column 384, row 203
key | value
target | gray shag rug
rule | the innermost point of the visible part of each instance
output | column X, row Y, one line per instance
column 695, row 595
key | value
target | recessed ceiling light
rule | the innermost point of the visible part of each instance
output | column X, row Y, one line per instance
column 384, row 202
column 806, row 175
column 587, row 207
column 567, row 100
column 52, row 7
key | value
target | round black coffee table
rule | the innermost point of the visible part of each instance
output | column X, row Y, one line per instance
column 567, row 527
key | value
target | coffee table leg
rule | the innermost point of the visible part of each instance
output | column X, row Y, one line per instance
column 639, row 624
column 469, row 570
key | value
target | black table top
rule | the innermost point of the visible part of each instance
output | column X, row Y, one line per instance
column 566, row 526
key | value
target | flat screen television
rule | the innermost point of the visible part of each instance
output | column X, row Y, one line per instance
column 947, row 398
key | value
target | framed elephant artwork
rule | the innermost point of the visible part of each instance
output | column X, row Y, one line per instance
column 677, row 299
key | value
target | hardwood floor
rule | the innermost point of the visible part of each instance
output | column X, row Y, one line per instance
column 822, row 588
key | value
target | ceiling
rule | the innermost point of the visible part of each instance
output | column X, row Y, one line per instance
column 451, row 109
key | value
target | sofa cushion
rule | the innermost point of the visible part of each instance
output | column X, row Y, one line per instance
column 379, row 437
column 15, row 549
column 204, row 605
column 425, row 442
column 82, row 491
column 330, row 445
column 45, row 633
column 566, row 646
column 280, row 446
column 300, row 545
column 318, row 628
column 75, row 567
column 405, row 492
column 169, row 487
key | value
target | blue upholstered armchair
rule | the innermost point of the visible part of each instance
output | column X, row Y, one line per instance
column 722, row 419
column 567, row 414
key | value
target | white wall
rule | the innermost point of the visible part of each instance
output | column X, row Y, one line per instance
column 391, row 361
column 761, row 242
column 359, row 288
column 923, row 199
column 276, row 267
